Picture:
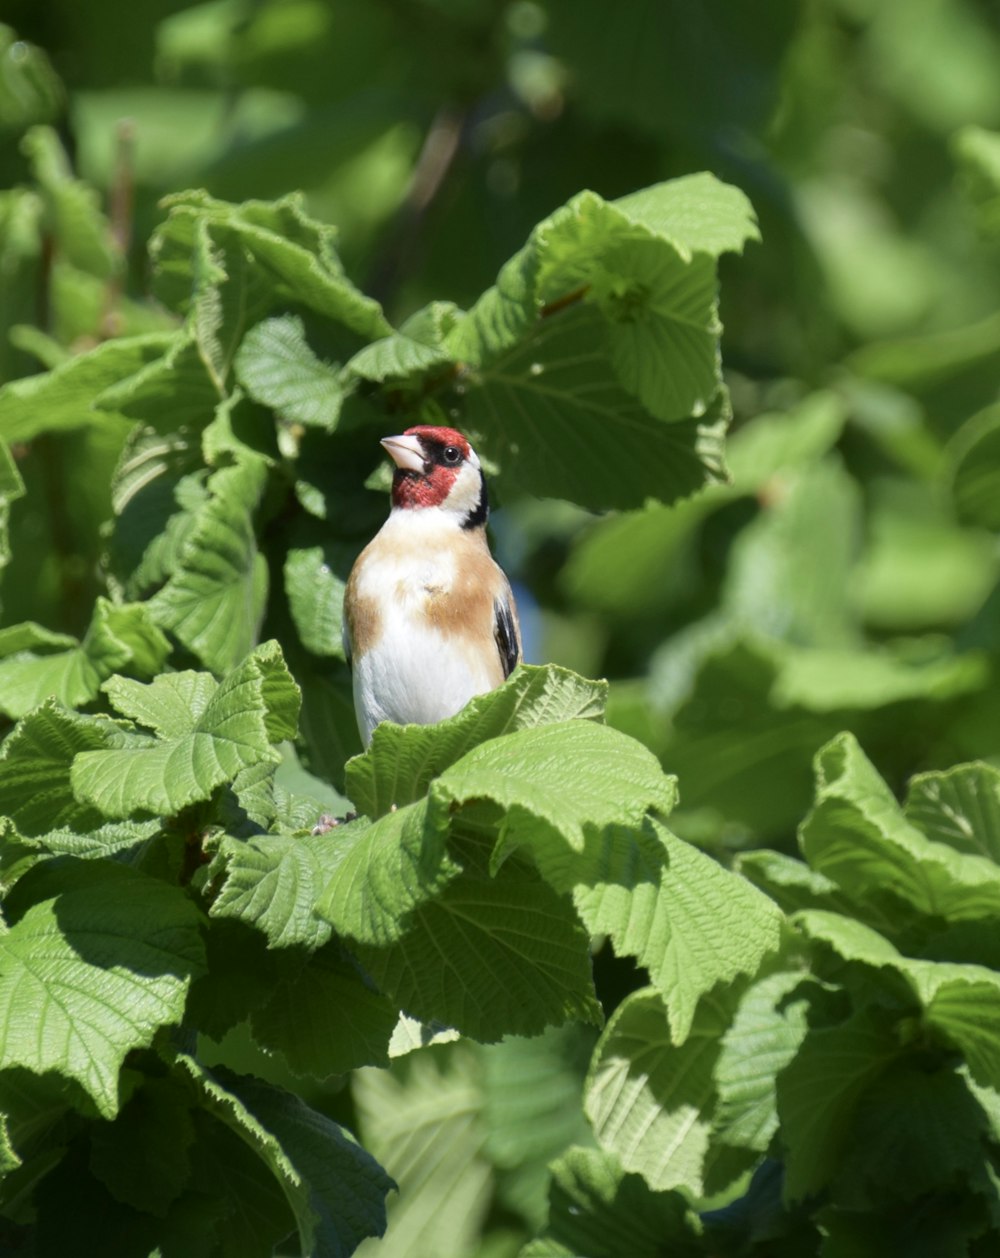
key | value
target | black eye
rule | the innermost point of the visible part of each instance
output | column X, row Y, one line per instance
column 452, row 454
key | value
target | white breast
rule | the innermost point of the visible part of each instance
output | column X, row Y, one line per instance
column 414, row 672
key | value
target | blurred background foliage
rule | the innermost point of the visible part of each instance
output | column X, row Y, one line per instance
column 847, row 578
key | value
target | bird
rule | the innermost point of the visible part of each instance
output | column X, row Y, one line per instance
column 429, row 616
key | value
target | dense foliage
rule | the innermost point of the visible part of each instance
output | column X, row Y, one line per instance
column 701, row 960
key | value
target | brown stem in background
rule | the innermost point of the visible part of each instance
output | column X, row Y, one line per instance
column 437, row 156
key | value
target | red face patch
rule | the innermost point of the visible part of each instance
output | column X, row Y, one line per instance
column 410, row 489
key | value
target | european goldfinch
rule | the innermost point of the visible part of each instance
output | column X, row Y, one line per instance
column 429, row 617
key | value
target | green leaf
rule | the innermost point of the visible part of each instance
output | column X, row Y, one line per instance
column 382, row 871
column 402, row 761
column 697, row 212
column 975, row 470
column 82, row 233
column 920, row 1132
column 33, row 668
column 35, row 766
column 419, row 345
column 695, row 926
column 335, row 1189
column 961, row 1003
column 293, row 251
column 64, row 398
column 789, row 570
column 597, row 1209
column 11, row 488
column 272, row 883
column 277, row 368
column 517, row 958
column 650, row 1101
column 215, row 599
column 769, row 1025
column 315, row 580
column 326, row 1020
column 960, row 807
column 559, row 786
column 142, row 1157
column 820, row 1091
column 568, row 429
column 157, row 491
column 657, row 298
column 425, row 1123
column 94, row 973
column 978, row 152
column 170, row 393
column 858, row 836
column 532, row 1089
column 206, row 736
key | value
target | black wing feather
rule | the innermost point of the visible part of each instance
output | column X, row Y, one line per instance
column 506, row 635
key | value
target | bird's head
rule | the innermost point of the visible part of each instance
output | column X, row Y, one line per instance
column 436, row 467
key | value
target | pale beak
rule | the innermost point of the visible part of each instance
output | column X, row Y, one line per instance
column 405, row 452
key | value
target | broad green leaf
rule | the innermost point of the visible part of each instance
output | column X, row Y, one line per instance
column 517, row 958
column 788, row 572
column 418, row 346
column 532, row 1088
column 94, row 973
column 776, row 443
column 960, row 807
column 272, row 883
column 335, row 1189
column 82, row 233
column 791, row 884
column 821, row 1090
column 143, row 1156
column 697, row 926
column 63, row 399
column 170, row 394
column 230, row 294
column 960, row 1002
column 35, row 765
column 256, row 1215
column 378, row 873
column 277, row 368
column 315, row 580
column 157, row 491
column 425, row 1124
column 33, row 668
column 294, row 252
column 919, row 1132
column 559, row 786
column 766, row 1032
column 858, row 836
column 327, row 1019
column 658, row 301
column 826, row 679
column 402, row 761
column 100, row 841
column 596, row 1208
column 215, row 599
column 696, row 211
column 222, row 732
column 567, row 428
column 975, row 470
column 978, row 152
column 650, row 1101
